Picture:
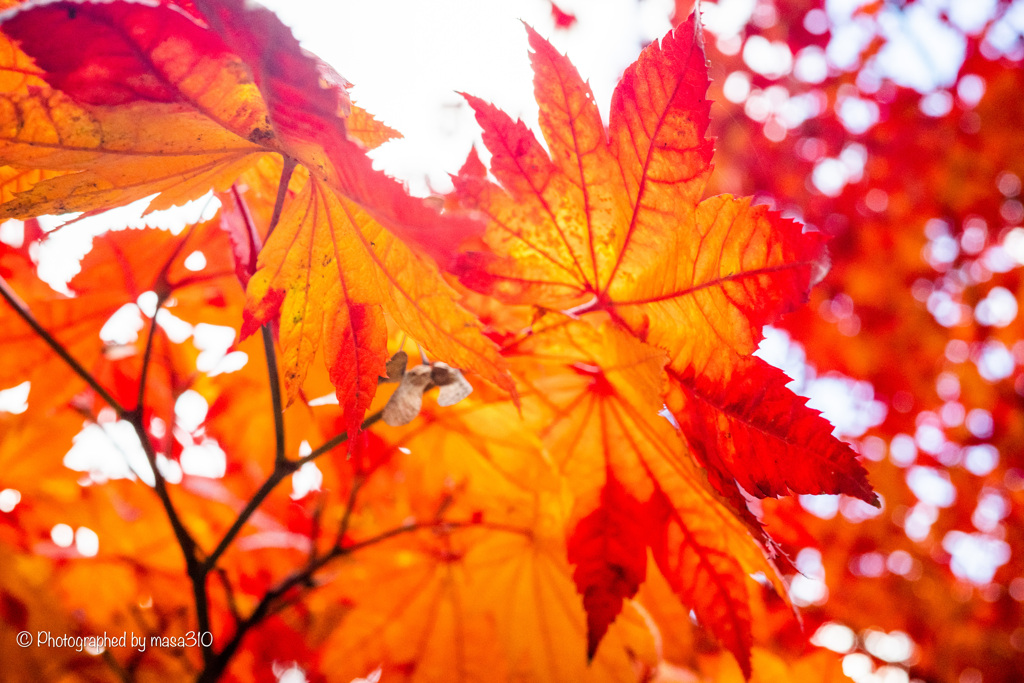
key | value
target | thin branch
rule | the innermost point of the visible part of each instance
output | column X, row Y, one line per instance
column 255, row 242
column 265, row 330
column 146, row 356
column 135, row 418
column 163, row 289
column 281, row 470
column 189, row 548
column 275, row 478
column 115, row 666
column 350, row 506
column 230, row 594
column 162, row 285
column 315, row 525
column 188, row 545
column 22, row 310
column 339, row 439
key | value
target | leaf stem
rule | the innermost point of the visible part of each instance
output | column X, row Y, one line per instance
column 275, row 394
column 265, row 330
column 350, row 506
column 282, row 192
column 255, row 243
column 229, row 592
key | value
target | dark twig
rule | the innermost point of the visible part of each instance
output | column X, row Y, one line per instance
column 229, row 592
column 350, row 506
column 146, row 356
column 115, row 666
column 255, row 242
column 339, row 439
column 135, row 418
column 281, row 470
column 193, row 565
column 266, row 331
column 316, row 524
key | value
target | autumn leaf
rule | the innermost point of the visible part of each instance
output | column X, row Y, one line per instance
column 903, row 321
column 563, row 19
column 419, row 602
column 122, row 266
column 362, row 127
column 149, row 102
column 333, row 256
column 330, row 270
column 154, row 101
column 505, row 590
column 593, row 397
column 741, row 437
column 822, row 666
column 616, row 224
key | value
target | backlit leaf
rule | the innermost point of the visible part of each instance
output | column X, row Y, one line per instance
column 328, row 255
column 593, row 398
column 616, row 224
column 154, row 101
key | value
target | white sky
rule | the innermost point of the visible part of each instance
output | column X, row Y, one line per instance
column 409, row 58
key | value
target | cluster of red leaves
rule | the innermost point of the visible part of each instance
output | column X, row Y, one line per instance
column 922, row 246
column 559, row 524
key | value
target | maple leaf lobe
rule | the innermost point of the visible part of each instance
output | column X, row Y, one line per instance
column 96, row 52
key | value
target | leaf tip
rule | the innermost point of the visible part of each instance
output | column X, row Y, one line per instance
column 595, row 634
column 260, row 310
column 533, row 36
column 473, row 166
column 743, row 659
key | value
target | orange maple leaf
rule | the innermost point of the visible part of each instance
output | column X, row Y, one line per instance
column 593, row 398
column 121, row 266
column 614, row 223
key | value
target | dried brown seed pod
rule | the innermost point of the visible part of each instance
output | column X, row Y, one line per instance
column 453, row 386
column 405, row 404
column 395, row 368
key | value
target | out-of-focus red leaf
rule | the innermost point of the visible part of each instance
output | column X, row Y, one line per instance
column 563, row 19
